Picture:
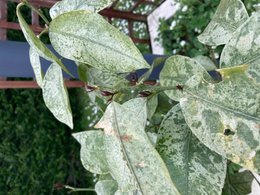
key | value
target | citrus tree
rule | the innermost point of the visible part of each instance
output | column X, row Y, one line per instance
column 186, row 134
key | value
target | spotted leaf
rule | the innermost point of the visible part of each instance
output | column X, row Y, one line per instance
column 194, row 168
column 88, row 38
column 244, row 47
column 133, row 161
column 226, row 116
column 229, row 16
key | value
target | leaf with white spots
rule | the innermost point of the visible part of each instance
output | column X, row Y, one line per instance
column 176, row 72
column 229, row 16
column 206, row 62
column 92, row 152
column 88, row 38
column 55, row 95
column 105, row 78
column 36, row 65
column 244, row 47
column 133, row 161
column 71, row 5
column 226, row 116
column 106, row 187
column 194, row 168
column 36, row 43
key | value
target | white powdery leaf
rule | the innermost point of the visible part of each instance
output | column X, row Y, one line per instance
column 226, row 116
column 193, row 167
column 92, row 152
column 35, row 43
column 229, row 16
column 88, row 38
column 55, row 95
column 36, row 65
column 106, row 187
column 133, row 161
column 71, row 5
column 244, row 47
column 177, row 71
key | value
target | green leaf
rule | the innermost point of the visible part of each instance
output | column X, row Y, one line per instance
column 176, row 72
column 36, row 43
column 206, row 62
column 226, row 116
column 193, row 167
column 152, row 104
column 88, row 38
column 244, row 47
column 92, row 152
column 71, row 5
column 36, row 65
column 229, row 16
column 55, row 95
column 105, row 78
column 133, row 161
column 83, row 72
column 237, row 182
column 106, row 187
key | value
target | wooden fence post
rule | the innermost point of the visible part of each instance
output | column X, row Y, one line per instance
column 3, row 18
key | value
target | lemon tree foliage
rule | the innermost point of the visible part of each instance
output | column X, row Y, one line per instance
column 213, row 118
column 189, row 161
column 224, row 23
column 100, row 45
column 244, row 47
column 70, row 5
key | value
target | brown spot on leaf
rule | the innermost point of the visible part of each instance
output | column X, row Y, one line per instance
column 126, row 138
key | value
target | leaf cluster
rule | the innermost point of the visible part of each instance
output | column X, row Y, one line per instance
column 209, row 120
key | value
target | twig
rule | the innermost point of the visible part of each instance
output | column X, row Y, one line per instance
column 72, row 189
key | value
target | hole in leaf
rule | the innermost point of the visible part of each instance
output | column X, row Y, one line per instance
column 228, row 132
column 179, row 87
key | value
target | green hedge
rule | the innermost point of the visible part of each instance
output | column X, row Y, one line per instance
column 36, row 150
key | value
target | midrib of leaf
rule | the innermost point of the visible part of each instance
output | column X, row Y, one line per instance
column 125, row 153
column 95, row 42
column 187, row 163
column 226, row 108
column 231, row 188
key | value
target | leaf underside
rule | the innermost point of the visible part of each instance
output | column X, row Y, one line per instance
column 55, row 95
